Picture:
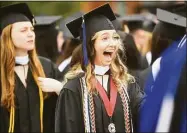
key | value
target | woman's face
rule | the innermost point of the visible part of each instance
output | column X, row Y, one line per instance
column 106, row 45
column 60, row 41
column 23, row 36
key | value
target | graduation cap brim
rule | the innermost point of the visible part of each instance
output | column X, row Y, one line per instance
column 75, row 25
column 15, row 13
column 171, row 18
column 47, row 20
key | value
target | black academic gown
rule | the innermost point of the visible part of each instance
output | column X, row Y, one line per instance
column 142, row 76
column 69, row 114
column 27, row 110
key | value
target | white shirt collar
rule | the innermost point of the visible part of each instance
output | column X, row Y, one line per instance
column 101, row 70
column 149, row 57
column 63, row 65
column 156, row 68
column 22, row 60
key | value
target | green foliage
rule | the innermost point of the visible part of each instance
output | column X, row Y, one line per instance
column 50, row 8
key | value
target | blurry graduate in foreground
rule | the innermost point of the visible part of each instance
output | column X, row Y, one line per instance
column 24, row 106
column 166, row 86
column 99, row 95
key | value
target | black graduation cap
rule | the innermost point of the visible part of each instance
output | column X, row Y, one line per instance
column 86, row 26
column 172, row 18
column 62, row 25
column 15, row 13
column 47, row 22
column 95, row 20
column 140, row 21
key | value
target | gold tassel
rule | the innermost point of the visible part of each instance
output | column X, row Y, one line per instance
column 11, row 122
column 41, row 109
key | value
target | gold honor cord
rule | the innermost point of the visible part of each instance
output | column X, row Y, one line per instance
column 11, row 123
column 41, row 108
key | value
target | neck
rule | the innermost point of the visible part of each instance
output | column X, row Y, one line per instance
column 21, row 52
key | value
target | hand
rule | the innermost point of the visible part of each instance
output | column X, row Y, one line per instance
column 50, row 85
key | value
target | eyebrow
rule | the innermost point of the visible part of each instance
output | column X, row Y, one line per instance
column 27, row 27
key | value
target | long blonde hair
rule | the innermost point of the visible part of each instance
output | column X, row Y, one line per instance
column 7, row 52
column 119, row 71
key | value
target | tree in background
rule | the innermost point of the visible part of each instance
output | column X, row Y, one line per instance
column 50, row 8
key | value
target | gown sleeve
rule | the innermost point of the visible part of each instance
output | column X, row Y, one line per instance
column 137, row 98
column 68, row 116
column 50, row 69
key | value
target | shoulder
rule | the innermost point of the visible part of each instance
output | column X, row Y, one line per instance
column 44, row 61
column 133, row 86
column 134, row 91
column 74, row 84
column 50, row 68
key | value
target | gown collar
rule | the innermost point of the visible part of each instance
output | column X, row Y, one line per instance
column 100, row 70
column 22, row 60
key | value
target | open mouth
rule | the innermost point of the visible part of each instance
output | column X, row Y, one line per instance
column 105, row 53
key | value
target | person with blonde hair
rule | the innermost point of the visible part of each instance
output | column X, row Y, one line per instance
column 22, row 106
column 98, row 93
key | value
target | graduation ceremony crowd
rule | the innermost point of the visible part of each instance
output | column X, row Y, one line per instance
column 97, row 72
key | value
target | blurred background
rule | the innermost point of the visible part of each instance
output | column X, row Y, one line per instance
column 66, row 8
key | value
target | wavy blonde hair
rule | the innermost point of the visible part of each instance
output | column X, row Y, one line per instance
column 119, row 71
column 7, row 52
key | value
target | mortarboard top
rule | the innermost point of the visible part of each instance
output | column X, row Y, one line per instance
column 47, row 22
column 15, row 13
column 95, row 20
column 140, row 21
column 68, row 19
column 171, row 18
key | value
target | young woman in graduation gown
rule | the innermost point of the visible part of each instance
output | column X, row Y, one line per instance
column 24, row 107
column 98, row 95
